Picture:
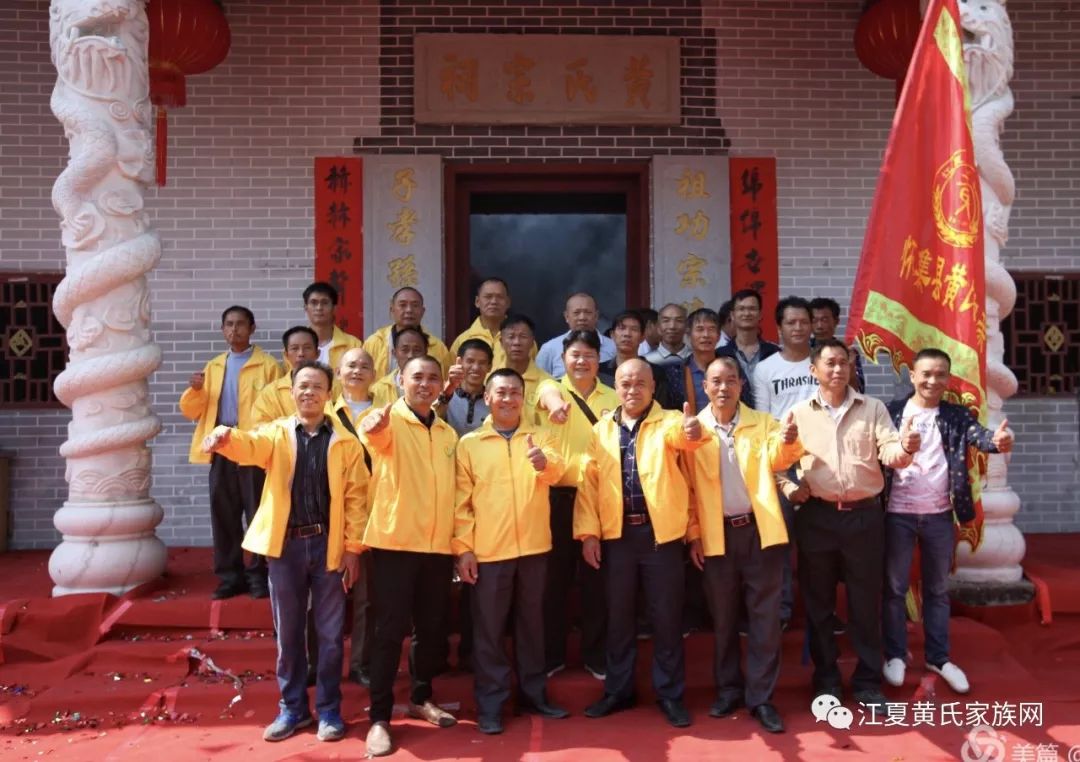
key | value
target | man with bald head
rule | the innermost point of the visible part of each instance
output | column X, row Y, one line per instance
column 581, row 314
column 631, row 517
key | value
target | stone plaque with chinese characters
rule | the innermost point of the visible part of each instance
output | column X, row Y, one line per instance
column 402, row 235
column 546, row 79
column 691, row 237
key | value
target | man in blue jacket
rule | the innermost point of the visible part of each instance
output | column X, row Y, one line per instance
column 922, row 500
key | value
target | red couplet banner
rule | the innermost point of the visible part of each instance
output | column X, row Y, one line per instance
column 755, row 240
column 339, row 235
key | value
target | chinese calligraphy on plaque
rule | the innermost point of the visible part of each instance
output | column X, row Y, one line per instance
column 546, row 79
column 338, row 234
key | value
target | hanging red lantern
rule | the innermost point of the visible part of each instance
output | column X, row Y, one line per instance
column 885, row 38
column 186, row 37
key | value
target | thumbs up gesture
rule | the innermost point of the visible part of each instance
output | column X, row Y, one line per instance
column 1003, row 437
column 376, row 421
column 535, row 454
column 790, row 431
column 690, row 424
column 910, row 439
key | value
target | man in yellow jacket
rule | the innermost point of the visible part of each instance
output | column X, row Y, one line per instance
column 309, row 526
column 224, row 392
column 406, row 310
column 409, row 528
column 738, row 537
column 320, row 302
column 492, row 302
column 574, row 403
column 276, row 400
column 634, row 500
column 502, row 537
column 518, row 346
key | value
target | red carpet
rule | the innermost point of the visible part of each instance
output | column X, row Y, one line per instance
column 96, row 677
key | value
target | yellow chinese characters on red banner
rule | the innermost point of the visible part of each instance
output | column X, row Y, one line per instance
column 755, row 249
column 339, row 244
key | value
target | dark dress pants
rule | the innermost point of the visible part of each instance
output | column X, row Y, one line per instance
column 845, row 546
column 515, row 585
column 234, row 496
column 636, row 556
column 565, row 565
column 363, row 623
column 412, row 590
column 749, row 576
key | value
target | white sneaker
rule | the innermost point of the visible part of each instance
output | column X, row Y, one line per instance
column 952, row 675
column 894, row 672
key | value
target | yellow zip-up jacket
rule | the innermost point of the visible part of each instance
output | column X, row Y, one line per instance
column 413, row 474
column 274, row 401
column 598, row 509
column 759, row 450
column 575, row 434
column 385, row 389
column 273, row 448
column 259, row 371
column 366, row 460
column 379, row 347
column 340, row 343
column 502, row 508
column 477, row 331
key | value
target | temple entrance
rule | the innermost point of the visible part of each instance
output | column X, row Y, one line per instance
column 548, row 230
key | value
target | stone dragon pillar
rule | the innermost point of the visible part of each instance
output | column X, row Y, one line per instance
column 988, row 55
column 99, row 49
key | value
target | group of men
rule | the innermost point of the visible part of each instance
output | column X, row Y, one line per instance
column 680, row 452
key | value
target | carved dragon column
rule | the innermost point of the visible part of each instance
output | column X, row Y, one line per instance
column 988, row 55
column 101, row 98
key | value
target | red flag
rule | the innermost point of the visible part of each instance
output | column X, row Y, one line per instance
column 921, row 279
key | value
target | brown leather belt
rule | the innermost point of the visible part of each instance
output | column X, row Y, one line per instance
column 848, row 505
column 636, row 519
column 742, row 520
column 307, row 530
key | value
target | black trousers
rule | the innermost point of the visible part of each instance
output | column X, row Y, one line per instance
column 636, row 556
column 565, row 565
column 363, row 622
column 412, row 590
column 846, row 546
column 746, row 578
column 234, row 496
column 515, row 585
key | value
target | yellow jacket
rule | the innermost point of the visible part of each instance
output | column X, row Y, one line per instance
column 273, row 448
column 379, row 347
column 341, row 343
column 598, row 510
column 502, row 508
column 385, row 389
column 477, row 331
column 575, row 434
column 202, row 406
column 413, row 472
column 759, row 450
column 274, row 401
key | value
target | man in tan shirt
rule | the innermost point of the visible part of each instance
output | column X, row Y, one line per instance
column 840, row 526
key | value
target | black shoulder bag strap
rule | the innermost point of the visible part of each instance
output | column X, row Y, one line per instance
column 584, row 408
column 352, row 430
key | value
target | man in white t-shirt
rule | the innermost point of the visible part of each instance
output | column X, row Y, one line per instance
column 922, row 500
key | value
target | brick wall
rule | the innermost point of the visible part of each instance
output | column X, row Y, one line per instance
column 324, row 77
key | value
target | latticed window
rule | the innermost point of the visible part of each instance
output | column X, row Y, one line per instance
column 33, row 344
column 1042, row 335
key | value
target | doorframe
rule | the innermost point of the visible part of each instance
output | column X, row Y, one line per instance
column 461, row 180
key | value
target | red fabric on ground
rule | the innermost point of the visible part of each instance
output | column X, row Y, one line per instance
column 130, row 682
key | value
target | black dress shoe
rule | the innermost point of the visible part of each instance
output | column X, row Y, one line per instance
column 871, row 697
column 491, row 726
column 725, row 705
column 258, row 591
column 675, row 712
column 543, row 709
column 769, row 718
column 609, row 705
column 360, row 677
column 228, row 590
column 835, row 691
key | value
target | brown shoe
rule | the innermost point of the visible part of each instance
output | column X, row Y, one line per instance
column 378, row 743
column 432, row 713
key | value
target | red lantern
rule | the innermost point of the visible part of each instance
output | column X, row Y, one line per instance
column 186, row 37
column 885, row 38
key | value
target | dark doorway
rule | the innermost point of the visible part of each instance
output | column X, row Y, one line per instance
column 548, row 231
